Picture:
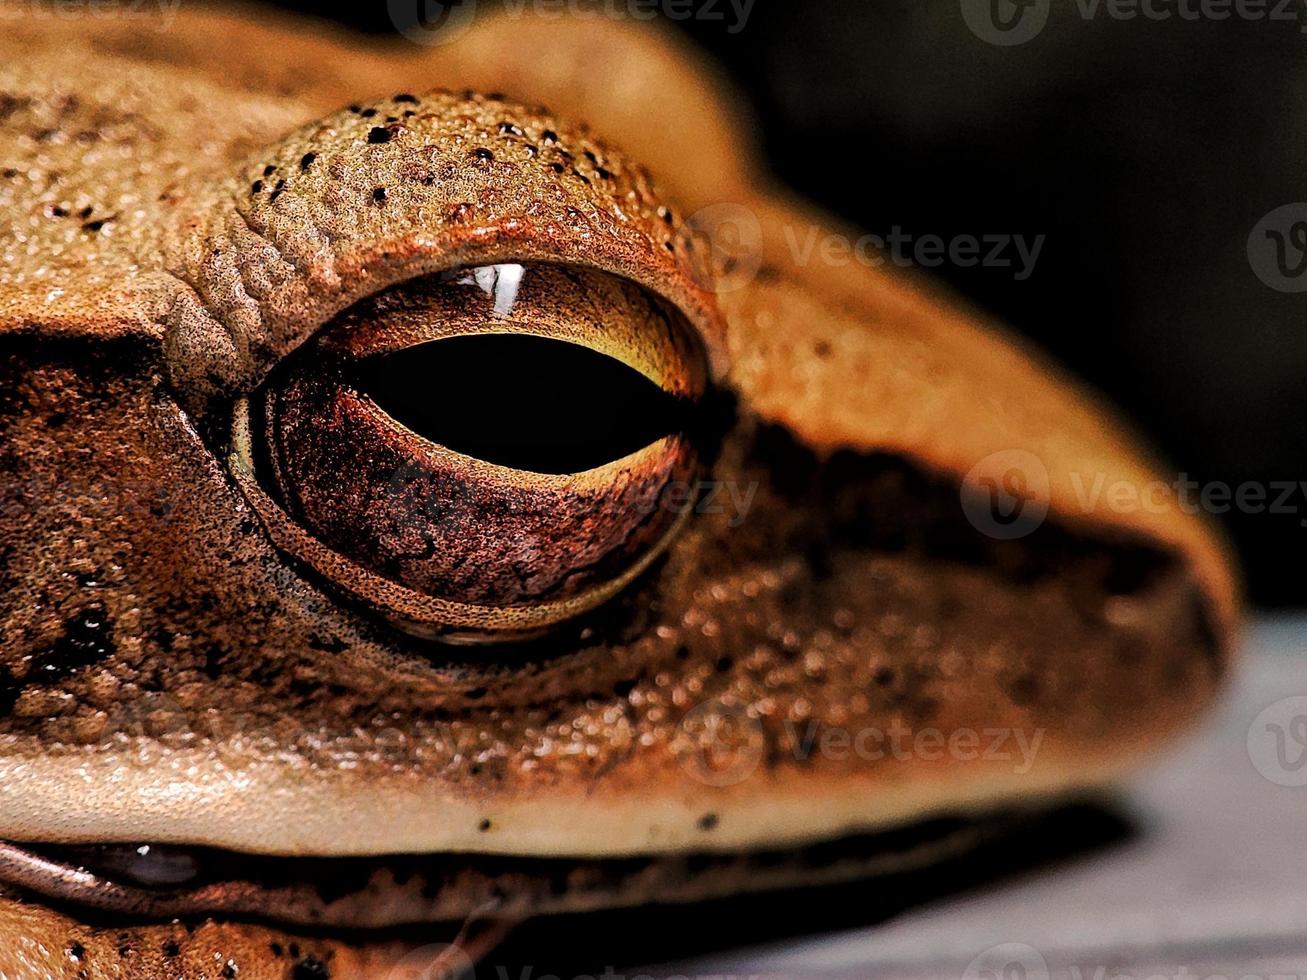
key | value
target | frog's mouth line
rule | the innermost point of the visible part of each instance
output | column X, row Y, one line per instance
column 146, row 882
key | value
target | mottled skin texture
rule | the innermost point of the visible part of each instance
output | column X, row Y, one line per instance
column 182, row 211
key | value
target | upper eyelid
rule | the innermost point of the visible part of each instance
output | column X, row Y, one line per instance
column 257, row 272
column 595, row 310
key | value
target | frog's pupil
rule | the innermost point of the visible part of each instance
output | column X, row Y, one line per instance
column 520, row 401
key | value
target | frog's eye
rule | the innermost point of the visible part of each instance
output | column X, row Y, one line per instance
column 481, row 452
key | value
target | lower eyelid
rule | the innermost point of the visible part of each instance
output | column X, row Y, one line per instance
column 422, row 615
column 449, row 524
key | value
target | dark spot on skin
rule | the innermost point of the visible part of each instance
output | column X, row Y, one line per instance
column 87, row 639
column 709, row 821
column 368, row 113
column 821, row 348
column 276, row 949
column 213, row 664
column 624, row 688
column 58, row 212
column 56, row 420
column 724, row 664
column 508, row 129
column 476, row 694
column 295, row 950
column 85, row 212
column 549, row 136
column 310, row 968
column 884, row 676
column 925, row 710
column 669, row 246
column 379, row 195
column 355, row 108
column 1024, row 690
column 557, row 168
column 306, row 160
column 405, row 97
column 10, row 172
column 604, row 174
column 124, row 951
column 483, row 826
column 482, row 154
column 97, row 225
column 276, row 191
column 77, row 951
column 256, row 187
column 172, row 949
column 228, row 970
column 379, row 134
column 269, row 170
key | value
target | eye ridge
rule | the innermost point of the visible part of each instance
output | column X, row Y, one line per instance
column 520, row 401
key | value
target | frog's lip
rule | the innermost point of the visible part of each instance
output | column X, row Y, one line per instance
column 162, row 883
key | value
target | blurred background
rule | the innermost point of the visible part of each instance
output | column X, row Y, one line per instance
column 1153, row 157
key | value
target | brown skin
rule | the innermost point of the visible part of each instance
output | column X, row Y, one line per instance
column 187, row 212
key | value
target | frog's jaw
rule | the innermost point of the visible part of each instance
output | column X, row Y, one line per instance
column 474, row 900
column 36, row 941
column 162, row 883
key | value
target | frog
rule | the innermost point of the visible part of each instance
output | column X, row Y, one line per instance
column 419, row 515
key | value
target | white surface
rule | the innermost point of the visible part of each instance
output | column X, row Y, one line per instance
column 1215, row 883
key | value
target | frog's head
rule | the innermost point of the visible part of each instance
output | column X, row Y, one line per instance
column 407, row 513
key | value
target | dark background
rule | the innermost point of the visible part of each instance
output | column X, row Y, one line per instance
column 1145, row 151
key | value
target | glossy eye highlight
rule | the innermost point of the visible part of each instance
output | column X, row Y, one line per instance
column 481, row 450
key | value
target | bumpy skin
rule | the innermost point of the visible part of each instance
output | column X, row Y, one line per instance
column 183, row 209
